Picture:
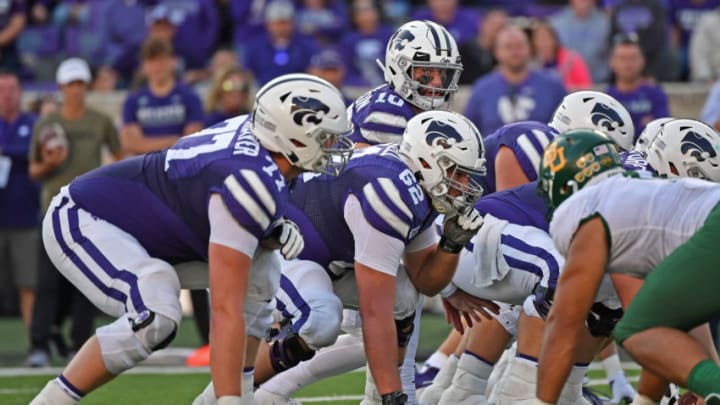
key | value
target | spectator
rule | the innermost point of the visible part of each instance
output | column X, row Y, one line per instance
column 711, row 110
column 645, row 101
column 554, row 58
column 584, row 28
column 460, row 22
column 44, row 105
column 124, row 30
column 646, row 18
column 65, row 144
column 513, row 92
column 281, row 50
column 324, row 20
column 477, row 53
column 248, row 23
column 328, row 64
column 164, row 109
column 196, row 37
column 704, row 49
column 684, row 17
column 19, row 198
column 40, row 11
column 228, row 96
column 365, row 44
column 12, row 22
column 105, row 79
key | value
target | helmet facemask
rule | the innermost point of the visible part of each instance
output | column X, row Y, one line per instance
column 422, row 93
column 333, row 153
column 458, row 190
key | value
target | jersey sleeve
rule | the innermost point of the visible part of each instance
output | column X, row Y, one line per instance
column 566, row 220
column 379, row 117
column 252, row 200
column 224, row 230
column 390, row 207
column 373, row 248
column 528, row 147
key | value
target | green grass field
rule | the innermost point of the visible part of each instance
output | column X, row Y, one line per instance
column 173, row 385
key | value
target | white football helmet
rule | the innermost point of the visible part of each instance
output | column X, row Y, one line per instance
column 595, row 110
column 303, row 118
column 445, row 152
column 422, row 45
column 686, row 148
column 652, row 129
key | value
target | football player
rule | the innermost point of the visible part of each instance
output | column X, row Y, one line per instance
column 422, row 67
column 379, row 211
column 216, row 196
column 656, row 240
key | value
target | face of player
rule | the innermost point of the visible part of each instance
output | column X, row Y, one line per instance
column 432, row 79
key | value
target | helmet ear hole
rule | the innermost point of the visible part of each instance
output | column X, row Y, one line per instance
column 673, row 169
column 297, row 143
column 425, row 164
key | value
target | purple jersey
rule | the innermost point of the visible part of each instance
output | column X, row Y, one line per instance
column 166, row 115
column 161, row 198
column 526, row 139
column 464, row 24
column 685, row 15
column 644, row 104
column 494, row 102
column 636, row 162
column 380, row 116
column 520, row 205
column 391, row 200
column 20, row 197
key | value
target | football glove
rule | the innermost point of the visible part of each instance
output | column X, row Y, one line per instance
column 457, row 230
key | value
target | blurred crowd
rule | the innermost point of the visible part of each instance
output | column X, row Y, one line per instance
column 521, row 57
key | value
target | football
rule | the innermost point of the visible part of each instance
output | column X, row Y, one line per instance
column 53, row 136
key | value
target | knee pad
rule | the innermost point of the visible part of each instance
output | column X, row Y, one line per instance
column 351, row 322
column 129, row 340
column 405, row 329
column 288, row 352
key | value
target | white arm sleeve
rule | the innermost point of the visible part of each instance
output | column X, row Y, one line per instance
column 373, row 248
column 424, row 239
column 226, row 231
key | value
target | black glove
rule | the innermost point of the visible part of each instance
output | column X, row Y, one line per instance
column 601, row 320
column 459, row 229
column 394, row 398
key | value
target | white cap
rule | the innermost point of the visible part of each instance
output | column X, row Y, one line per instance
column 73, row 69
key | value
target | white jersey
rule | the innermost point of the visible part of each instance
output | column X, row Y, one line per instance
column 646, row 219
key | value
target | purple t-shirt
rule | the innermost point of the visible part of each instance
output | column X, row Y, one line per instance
column 685, row 15
column 165, row 115
column 463, row 27
column 494, row 102
column 161, row 198
column 20, row 198
column 389, row 195
column 195, row 39
column 644, row 104
column 267, row 62
column 360, row 51
column 526, row 139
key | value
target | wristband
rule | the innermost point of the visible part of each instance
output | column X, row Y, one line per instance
column 229, row 400
column 395, row 398
column 450, row 246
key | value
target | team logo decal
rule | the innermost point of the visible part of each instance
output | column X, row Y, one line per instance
column 695, row 145
column 554, row 157
column 440, row 134
column 604, row 116
column 401, row 39
column 308, row 109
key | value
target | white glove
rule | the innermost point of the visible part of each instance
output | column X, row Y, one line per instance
column 290, row 239
column 621, row 389
column 458, row 230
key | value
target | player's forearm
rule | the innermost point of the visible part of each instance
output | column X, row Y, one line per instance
column 383, row 357
column 435, row 273
column 227, row 352
column 556, row 360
